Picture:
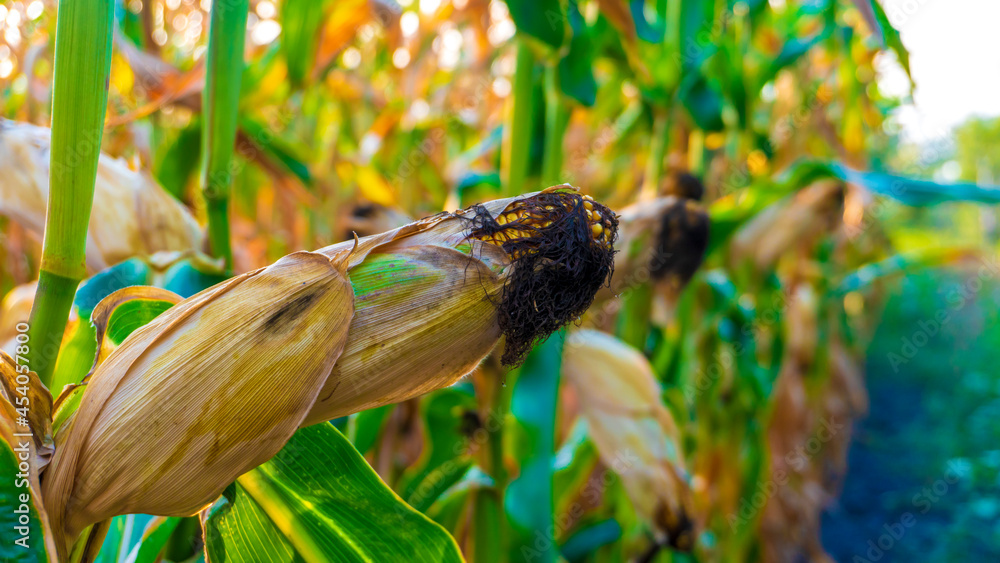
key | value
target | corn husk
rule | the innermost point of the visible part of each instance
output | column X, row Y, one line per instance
column 210, row 389
column 662, row 243
column 634, row 433
column 810, row 213
column 132, row 215
column 218, row 383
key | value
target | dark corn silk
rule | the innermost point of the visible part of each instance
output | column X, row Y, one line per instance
column 561, row 245
column 683, row 234
column 681, row 243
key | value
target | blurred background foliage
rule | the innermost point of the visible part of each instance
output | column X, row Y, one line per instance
column 356, row 114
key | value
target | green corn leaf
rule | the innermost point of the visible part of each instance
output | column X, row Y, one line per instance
column 318, row 500
column 449, row 417
column 793, row 50
column 890, row 36
column 901, row 264
column 529, row 498
column 576, row 69
column 136, row 538
column 180, row 160
column 17, row 547
column 451, row 505
column 124, row 533
column 589, row 539
column 300, row 24
column 914, row 192
column 189, row 276
column 77, row 354
column 542, row 20
column 574, row 463
column 645, row 29
column 129, row 316
column 703, row 102
column 277, row 151
column 364, row 427
column 695, row 28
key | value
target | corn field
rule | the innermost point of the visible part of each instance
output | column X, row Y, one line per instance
column 455, row 280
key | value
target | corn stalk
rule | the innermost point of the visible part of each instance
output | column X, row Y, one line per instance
column 517, row 128
column 79, row 100
column 221, row 100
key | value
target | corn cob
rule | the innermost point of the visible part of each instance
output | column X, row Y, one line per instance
column 218, row 383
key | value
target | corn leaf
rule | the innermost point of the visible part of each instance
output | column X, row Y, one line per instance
column 136, row 538
column 915, row 192
column 364, row 427
column 445, row 458
column 900, row 264
column 703, row 102
column 180, row 160
column 124, row 533
column 300, row 25
column 318, row 500
column 32, row 548
column 890, row 36
column 542, row 20
column 187, row 277
column 77, row 354
column 589, row 539
column 529, row 500
column 121, row 313
column 576, row 72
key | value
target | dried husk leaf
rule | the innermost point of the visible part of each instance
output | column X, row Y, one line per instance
column 210, row 389
column 662, row 242
column 38, row 454
column 634, row 433
column 132, row 214
column 39, row 406
column 779, row 228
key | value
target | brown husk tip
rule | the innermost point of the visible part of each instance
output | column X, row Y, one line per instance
column 561, row 245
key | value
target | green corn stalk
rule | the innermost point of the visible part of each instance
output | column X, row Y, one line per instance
column 517, row 129
column 529, row 500
column 79, row 101
column 220, row 100
column 556, row 119
column 657, row 153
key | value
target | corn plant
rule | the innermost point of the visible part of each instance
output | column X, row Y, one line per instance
column 270, row 358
